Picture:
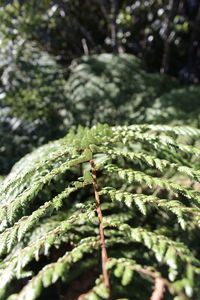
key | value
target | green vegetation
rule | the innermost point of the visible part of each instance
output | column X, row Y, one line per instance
column 137, row 174
column 99, row 150
column 46, row 102
column 113, row 89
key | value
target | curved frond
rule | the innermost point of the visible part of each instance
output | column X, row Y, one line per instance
column 122, row 203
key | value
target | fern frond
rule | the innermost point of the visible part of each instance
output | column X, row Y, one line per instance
column 11, row 236
column 184, row 214
column 52, row 272
column 150, row 181
column 9, row 214
column 126, row 268
column 76, row 198
column 98, row 292
column 156, row 141
column 154, row 162
column 16, row 182
column 14, row 265
column 165, row 249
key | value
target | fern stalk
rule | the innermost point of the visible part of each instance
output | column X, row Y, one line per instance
column 104, row 255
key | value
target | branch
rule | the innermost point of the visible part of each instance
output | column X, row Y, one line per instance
column 104, row 256
column 158, row 292
column 85, row 46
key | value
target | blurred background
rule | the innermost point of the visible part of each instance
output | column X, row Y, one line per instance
column 66, row 63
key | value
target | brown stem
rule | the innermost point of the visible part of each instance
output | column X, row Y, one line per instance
column 158, row 292
column 104, row 256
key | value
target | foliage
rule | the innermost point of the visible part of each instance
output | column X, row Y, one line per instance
column 52, row 244
column 106, row 88
column 48, row 216
column 31, row 101
column 100, row 88
column 113, row 89
column 17, row 137
column 178, row 106
column 32, row 82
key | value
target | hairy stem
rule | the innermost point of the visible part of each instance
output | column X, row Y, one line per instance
column 104, row 256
